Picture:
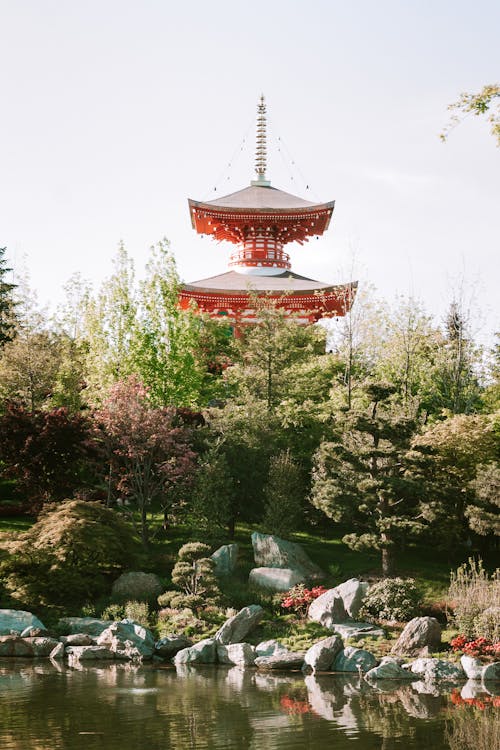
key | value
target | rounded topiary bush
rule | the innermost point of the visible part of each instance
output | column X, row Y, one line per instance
column 136, row 586
column 395, row 599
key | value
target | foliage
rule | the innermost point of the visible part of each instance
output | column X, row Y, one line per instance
column 67, row 557
column 483, row 102
column 7, row 315
column 478, row 647
column 298, row 599
column 362, row 479
column 194, row 574
column 395, row 599
column 149, row 451
column 482, row 514
column 212, row 503
column 137, row 610
column 136, row 586
column 283, row 496
column 49, row 453
column 471, row 593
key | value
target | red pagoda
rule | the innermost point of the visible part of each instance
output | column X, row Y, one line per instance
column 260, row 220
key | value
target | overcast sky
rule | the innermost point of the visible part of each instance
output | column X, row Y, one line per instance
column 115, row 112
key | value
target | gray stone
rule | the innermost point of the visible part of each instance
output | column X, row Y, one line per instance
column 472, row 667
column 170, row 645
column 471, row 689
column 437, row 670
column 388, row 670
column 352, row 659
column 204, row 652
column 90, row 625
column 42, row 646
column 89, row 653
column 352, row 593
column 321, row 656
column 275, row 579
column 288, row 660
column 491, row 672
column 130, row 638
column 77, row 639
column 225, row 559
column 32, row 632
column 58, row 651
column 241, row 654
column 357, row 630
column 419, row 633
column 328, row 609
column 269, row 648
column 236, row 628
column 17, row 620
column 14, row 645
column 272, row 552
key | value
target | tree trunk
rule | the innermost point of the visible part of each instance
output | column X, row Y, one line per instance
column 387, row 562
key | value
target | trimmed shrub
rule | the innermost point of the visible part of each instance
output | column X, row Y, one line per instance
column 393, row 599
column 136, row 586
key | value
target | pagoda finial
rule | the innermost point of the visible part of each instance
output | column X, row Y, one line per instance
column 261, row 150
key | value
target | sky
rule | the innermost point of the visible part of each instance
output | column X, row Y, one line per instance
column 115, row 112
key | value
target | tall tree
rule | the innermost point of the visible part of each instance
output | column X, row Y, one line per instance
column 7, row 318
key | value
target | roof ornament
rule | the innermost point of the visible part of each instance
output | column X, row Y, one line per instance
column 261, row 149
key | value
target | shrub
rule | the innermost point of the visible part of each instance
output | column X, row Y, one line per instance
column 391, row 599
column 194, row 572
column 476, row 647
column 471, row 594
column 283, row 496
column 183, row 622
column 136, row 586
column 299, row 598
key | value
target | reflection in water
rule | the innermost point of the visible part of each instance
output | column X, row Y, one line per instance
column 46, row 706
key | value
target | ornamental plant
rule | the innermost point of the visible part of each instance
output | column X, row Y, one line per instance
column 393, row 599
column 298, row 599
column 477, row 647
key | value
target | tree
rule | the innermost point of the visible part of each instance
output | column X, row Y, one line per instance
column 282, row 496
column 361, row 479
column 483, row 513
column 485, row 102
column 7, row 317
column 213, row 495
column 149, row 449
column 50, row 454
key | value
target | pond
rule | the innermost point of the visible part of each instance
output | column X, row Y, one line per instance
column 47, row 706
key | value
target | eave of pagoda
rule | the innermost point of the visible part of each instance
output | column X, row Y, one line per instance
column 234, row 224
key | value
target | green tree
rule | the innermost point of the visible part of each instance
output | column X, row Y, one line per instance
column 213, row 496
column 485, row 102
column 361, row 479
column 7, row 317
column 282, row 496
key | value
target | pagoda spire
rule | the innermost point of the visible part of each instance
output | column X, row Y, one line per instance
column 261, row 148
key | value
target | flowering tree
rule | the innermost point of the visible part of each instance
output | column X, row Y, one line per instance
column 149, row 448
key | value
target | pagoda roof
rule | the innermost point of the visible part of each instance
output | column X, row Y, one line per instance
column 264, row 198
column 233, row 282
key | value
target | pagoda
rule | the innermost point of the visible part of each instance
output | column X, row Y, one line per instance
column 260, row 221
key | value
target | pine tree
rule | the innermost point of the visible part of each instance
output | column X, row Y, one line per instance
column 7, row 324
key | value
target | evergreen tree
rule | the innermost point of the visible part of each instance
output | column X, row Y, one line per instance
column 7, row 319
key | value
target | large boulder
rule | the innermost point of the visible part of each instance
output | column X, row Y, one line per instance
column 321, row 656
column 42, row 646
column 472, row 667
column 269, row 648
column 491, row 672
column 136, row 586
column 352, row 659
column 272, row 552
column 288, row 660
column 203, row 652
column 328, row 609
column 388, row 669
column 14, row 645
column 275, row 579
column 357, row 630
column 170, row 645
column 352, row 593
column 418, row 634
column 89, row 625
column 236, row 628
column 17, row 620
column 58, row 652
column 225, row 559
column 437, row 670
column 129, row 637
column 240, row 654
column 89, row 653
column 77, row 639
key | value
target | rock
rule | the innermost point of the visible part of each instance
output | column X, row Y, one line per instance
column 352, row 593
column 269, row 648
column 272, row 552
column 129, row 637
column 204, row 652
column 89, row 653
column 170, row 645
column 419, row 633
column 58, row 651
column 352, row 659
column 325, row 697
column 388, row 670
column 241, row 654
column 89, row 625
column 14, row 645
column 31, row 632
column 17, row 620
column 357, row 630
column 77, row 639
column 236, row 628
column 136, row 586
column 491, row 672
column 42, row 646
column 225, row 559
column 288, row 660
column 275, row 579
column 321, row 656
column 472, row 667
column 328, row 609
column 437, row 670
column 471, row 689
